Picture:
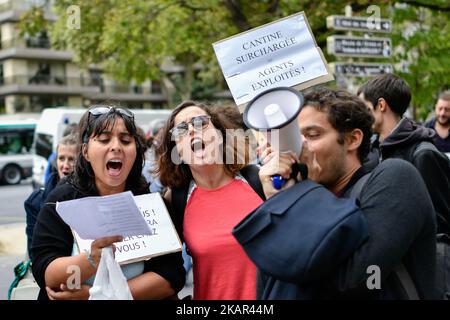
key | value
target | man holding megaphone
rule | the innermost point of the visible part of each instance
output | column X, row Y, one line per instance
column 312, row 240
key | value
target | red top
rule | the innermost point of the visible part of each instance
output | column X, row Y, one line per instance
column 222, row 270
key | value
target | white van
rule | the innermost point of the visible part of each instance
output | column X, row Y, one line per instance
column 53, row 121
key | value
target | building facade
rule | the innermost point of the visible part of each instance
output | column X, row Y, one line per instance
column 34, row 76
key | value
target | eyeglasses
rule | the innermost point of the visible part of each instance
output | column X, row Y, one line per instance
column 198, row 122
column 98, row 110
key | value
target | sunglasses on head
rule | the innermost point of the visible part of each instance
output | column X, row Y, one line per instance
column 99, row 110
column 198, row 122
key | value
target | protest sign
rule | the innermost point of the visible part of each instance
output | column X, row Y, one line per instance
column 283, row 53
column 163, row 238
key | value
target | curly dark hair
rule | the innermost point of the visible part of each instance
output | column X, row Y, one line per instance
column 92, row 126
column 179, row 175
column 345, row 112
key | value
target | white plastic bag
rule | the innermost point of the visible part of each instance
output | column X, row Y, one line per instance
column 109, row 283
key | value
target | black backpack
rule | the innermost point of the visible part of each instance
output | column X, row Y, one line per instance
column 179, row 196
column 442, row 254
column 33, row 205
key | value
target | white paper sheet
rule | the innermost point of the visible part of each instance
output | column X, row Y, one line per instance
column 97, row 217
column 164, row 238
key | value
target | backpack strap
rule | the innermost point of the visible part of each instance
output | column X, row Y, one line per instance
column 424, row 145
column 251, row 174
column 179, row 201
column 406, row 281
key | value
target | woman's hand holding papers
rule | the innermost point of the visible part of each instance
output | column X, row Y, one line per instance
column 99, row 244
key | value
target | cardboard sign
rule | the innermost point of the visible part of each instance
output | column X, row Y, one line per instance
column 283, row 53
column 163, row 238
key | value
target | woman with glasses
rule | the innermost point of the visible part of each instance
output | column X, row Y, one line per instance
column 209, row 197
column 109, row 162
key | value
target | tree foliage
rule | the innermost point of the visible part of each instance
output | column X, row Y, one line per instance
column 422, row 39
column 131, row 39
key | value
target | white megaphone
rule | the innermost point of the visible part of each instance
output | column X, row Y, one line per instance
column 274, row 113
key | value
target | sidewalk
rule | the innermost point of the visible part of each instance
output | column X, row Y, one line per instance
column 13, row 240
column 13, row 245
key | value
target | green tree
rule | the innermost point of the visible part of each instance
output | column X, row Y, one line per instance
column 422, row 40
column 131, row 39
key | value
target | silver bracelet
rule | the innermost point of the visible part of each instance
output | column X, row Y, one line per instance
column 89, row 258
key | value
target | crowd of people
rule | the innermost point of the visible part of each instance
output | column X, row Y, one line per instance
column 376, row 197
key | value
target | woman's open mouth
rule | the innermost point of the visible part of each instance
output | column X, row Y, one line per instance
column 198, row 147
column 65, row 173
column 114, row 167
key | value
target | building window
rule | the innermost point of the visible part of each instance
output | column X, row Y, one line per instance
column 96, row 79
column 41, row 40
column 2, row 82
column 42, row 75
column 156, row 87
column 39, row 102
column 136, row 89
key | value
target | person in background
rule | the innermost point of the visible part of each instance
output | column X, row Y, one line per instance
column 441, row 122
column 388, row 96
column 146, row 144
column 109, row 162
column 70, row 128
column 66, row 153
column 151, row 158
column 208, row 196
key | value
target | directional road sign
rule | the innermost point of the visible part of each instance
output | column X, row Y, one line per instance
column 365, row 24
column 359, row 46
column 361, row 69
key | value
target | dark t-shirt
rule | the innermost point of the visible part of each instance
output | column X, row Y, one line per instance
column 442, row 144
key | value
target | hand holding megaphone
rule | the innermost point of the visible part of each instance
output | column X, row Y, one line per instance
column 281, row 165
column 274, row 112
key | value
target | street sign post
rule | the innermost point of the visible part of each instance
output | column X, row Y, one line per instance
column 363, row 24
column 361, row 69
column 347, row 46
column 352, row 48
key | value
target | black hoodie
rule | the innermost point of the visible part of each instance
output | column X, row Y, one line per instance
column 433, row 165
column 404, row 136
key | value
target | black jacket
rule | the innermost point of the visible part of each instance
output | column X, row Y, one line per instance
column 432, row 165
column 299, row 236
column 52, row 239
column 305, row 258
column 34, row 203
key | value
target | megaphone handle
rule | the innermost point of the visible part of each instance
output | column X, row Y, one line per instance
column 278, row 181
